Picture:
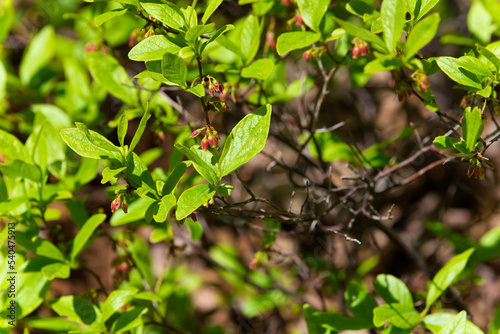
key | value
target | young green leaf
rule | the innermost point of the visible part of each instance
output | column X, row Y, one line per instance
column 166, row 12
column 19, row 168
column 246, row 140
column 446, row 276
column 425, row 7
column 122, row 128
column 83, row 236
column 32, row 289
column 193, row 33
column 192, row 198
column 90, row 144
column 312, row 11
column 56, row 270
column 400, row 315
column 159, row 210
column 153, row 48
column 360, row 302
column 140, row 129
column 138, row 174
column 250, row 38
column 129, row 320
column 436, row 322
column 39, row 246
column 174, row 69
column 392, row 290
column 174, row 177
column 77, row 309
column 451, row 66
column 393, row 21
column 362, row 9
column 324, row 322
column 39, row 52
column 457, row 325
column 139, row 250
column 204, row 162
column 259, row 69
column 290, row 41
column 492, row 58
column 195, row 228
column 211, row 7
column 106, row 70
column 444, row 142
column 474, row 65
column 198, row 90
column 423, row 32
column 472, row 127
column 104, row 17
column 216, row 35
column 116, row 300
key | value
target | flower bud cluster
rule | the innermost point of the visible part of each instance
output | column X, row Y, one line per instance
column 213, row 85
column 359, row 47
column 314, row 53
column 211, row 137
column 421, row 80
column 476, row 167
column 121, row 200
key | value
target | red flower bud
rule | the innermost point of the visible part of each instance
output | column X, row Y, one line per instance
column 115, row 205
column 298, row 20
column 204, row 144
column 223, row 96
column 306, row 55
column 91, row 47
column 355, row 53
column 401, row 97
column 195, row 133
column 212, row 142
column 211, row 91
column 364, row 49
column 285, row 2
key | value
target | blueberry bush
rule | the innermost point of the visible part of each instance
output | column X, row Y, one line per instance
column 250, row 166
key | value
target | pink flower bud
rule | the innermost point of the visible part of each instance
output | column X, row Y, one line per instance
column 204, row 144
column 91, row 47
column 212, row 142
column 298, row 20
column 211, row 91
column 364, row 49
column 195, row 133
column 223, row 96
column 285, row 2
column 355, row 52
column 115, row 205
column 306, row 55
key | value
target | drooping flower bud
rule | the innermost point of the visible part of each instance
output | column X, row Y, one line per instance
column 355, row 52
column 204, row 144
column 211, row 141
column 299, row 20
column 195, row 133
column 306, row 55
column 223, row 96
column 115, row 205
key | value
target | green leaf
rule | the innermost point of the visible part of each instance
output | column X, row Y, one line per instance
column 494, row 326
column 198, row 90
column 76, row 309
column 462, row 147
column 167, row 12
column 492, row 58
column 488, row 248
column 457, row 325
column 116, row 300
column 139, row 250
column 480, row 20
column 174, row 177
column 12, row 148
column 195, row 228
column 192, row 198
column 122, row 128
column 325, row 322
column 259, row 69
column 138, row 174
column 472, row 127
column 109, row 173
column 39, row 52
column 217, row 34
column 290, row 41
column 362, row 9
column 225, row 189
column 444, row 142
column 211, row 7
column 19, row 168
column 204, row 162
column 39, row 246
column 106, row 70
column 90, row 144
column 193, row 33
column 332, row 147
column 425, row 7
column 246, row 140
column 400, row 315
column 32, row 288
column 160, row 209
column 312, row 12
column 3, row 81
column 140, row 130
column 153, row 48
column 54, row 324
column 423, row 32
column 392, row 290
column 250, row 38
column 366, row 35
column 393, row 21
column 83, row 236
column 129, row 320
column 56, row 270
column 451, row 66
column 475, row 66
column 446, row 276
column 104, row 17
column 360, row 302
column 436, row 322
column 174, row 69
